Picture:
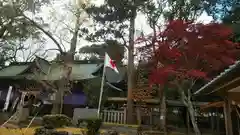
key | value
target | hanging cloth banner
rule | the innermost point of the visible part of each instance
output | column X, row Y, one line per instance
column 7, row 98
column 15, row 104
column 22, row 102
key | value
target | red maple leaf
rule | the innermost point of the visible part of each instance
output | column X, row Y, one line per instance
column 185, row 47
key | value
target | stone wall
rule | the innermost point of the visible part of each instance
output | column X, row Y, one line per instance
column 83, row 113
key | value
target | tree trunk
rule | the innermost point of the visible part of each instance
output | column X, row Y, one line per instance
column 163, row 114
column 162, row 106
column 56, row 103
column 188, row 103
column 61, row 101
column 67, row 59
column 131, row 68
column 193, row 119
column 191, row 112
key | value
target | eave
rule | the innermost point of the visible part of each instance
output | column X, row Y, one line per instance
column 155, row 101
column 228, row 79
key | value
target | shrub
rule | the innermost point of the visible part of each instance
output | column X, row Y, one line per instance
column 60, row 133
column 43, row 131
column 82, row 123
column 113, row 132
column 93, row 126
column 140, row 130
column 55, row 121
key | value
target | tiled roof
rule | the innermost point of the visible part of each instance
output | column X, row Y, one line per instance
column 12, row 70
column 49, row 72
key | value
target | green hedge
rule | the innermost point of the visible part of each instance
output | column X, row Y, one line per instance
column 113, row 132
column 56, row 121
column 93, row 125
column 82, row 123
column 44, row 131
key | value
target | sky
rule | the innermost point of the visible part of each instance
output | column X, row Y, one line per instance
column 59, row 19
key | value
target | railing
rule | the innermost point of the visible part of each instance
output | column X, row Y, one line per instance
column 113, row 116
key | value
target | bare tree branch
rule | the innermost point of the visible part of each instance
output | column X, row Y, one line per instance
column 61, row 42
column 4, row 29
column 30, row 56
column 71, row 30
column 45, row 32
column 55, row 49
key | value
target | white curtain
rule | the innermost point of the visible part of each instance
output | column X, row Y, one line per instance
column 8, row 98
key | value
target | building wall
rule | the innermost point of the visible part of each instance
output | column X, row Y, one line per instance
column 71, row 101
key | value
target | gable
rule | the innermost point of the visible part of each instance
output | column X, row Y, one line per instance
column 38, row 63
column 79, row 71
column 43, row 65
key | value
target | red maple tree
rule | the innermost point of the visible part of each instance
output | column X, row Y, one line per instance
column 187, row 51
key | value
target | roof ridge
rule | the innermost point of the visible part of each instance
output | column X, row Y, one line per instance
column 18, row 63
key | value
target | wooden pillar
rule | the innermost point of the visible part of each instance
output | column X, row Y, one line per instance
column 227, row 116
column 238, row 117
column 139, row 117
column 238, row 125
column 151, row 116
column 212, row 121
column 218, row 120
column 125, row 115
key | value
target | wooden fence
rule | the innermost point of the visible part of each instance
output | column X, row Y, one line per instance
column 113, row 116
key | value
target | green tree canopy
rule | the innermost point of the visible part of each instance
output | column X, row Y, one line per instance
column 232, row 19
column 220, row 8
column 113, row 48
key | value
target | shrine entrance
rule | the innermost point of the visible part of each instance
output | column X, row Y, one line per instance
column 23, row 106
